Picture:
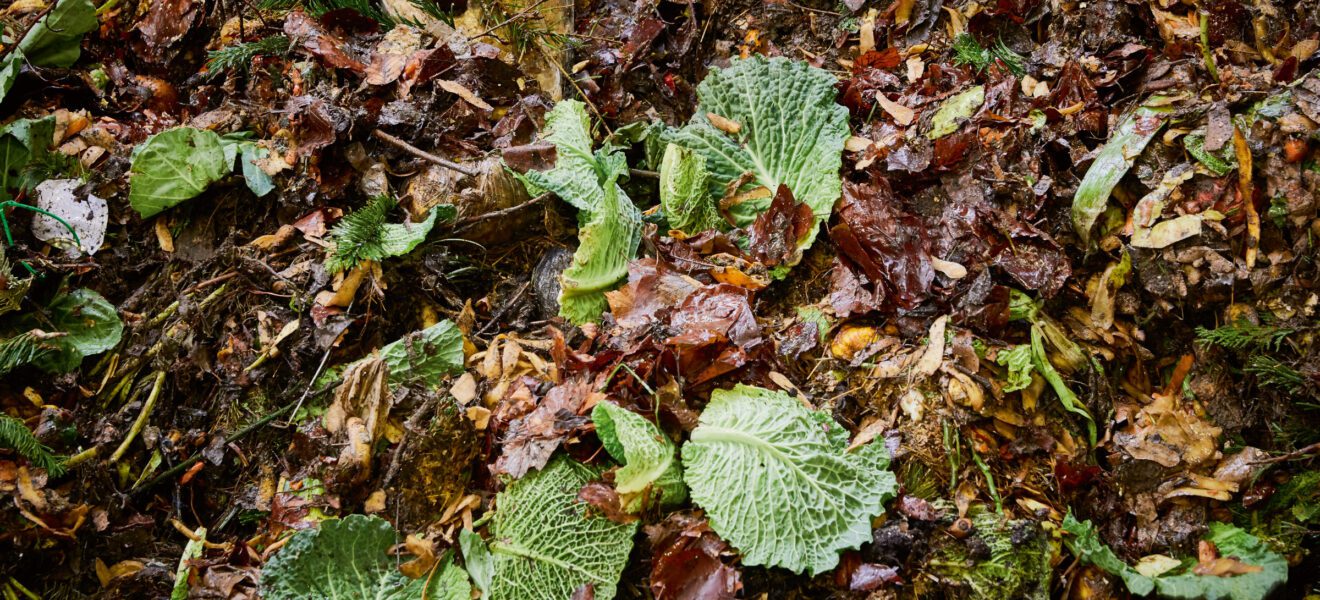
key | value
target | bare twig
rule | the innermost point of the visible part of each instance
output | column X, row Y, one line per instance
column 419, row 153
column 468, row 222
column 499, row 314
column 515, row 17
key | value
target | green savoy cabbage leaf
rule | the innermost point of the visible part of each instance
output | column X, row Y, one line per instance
column 688, row 206
column 1018, row 361
column 365, row 234
column 545, row 543
column 423, row 357
column 1182, row 583
column 1087, row 546
column 173, row 166
column 347, row 559
column 776, row 480
column 792, row 132
column 650, row 470
column 609, row 225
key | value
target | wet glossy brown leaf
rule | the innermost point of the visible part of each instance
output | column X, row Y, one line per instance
column 688, row 561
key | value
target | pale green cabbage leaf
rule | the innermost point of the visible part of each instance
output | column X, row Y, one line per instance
column 347, row 559
column 1019, row 363
column 687, row 203
column 609, row 225
column 650, row 470
column 792, row 132
column 174, row 166
column 544, row 543
column 953, row 111
column 776, row 480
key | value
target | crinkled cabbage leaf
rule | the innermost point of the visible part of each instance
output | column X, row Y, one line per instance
column 609, row 225
column 776, row 480
column 684, row 197
column 789, row 130
column 347, row 559
column 650, row 468
column 545, row 543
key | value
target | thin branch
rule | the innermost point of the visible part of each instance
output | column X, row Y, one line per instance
column 419, row 153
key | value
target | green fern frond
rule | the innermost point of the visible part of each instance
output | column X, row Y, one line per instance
column 16, row 436
column 357, row 236
column 1243, row 335
column 22, row 349
column 239, row 56
column 1270, row 372
column 967, row 51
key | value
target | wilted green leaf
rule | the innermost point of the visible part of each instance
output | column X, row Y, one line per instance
column 609, row 225
column 240, row 145
column 192, row 550
column 1182, row 583
column 1236, row 543
column 425, row 356
column 544, row 543
column 650, row 469
column 91, row 325
column 1018, row 361
column 56, row 40
column 777, row 481
column 53, row 41
column 791, row 132
column 954, row 110
column 21, row 141
column 347, row 559
column 1113, row 162
column 173, row 166
column 687, row 202
column 1087, row 547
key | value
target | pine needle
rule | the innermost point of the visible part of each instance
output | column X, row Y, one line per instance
column 357, row 237
column 1244, row 335
column 1270, row 372
column 16, row 436
column 22, row 349
column 239, row 56
column 967, row 51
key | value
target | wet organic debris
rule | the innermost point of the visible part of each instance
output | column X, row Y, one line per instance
column 420, row 298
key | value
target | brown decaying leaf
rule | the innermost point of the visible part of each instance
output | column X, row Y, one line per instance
column 314, row 38
column 774, row 236
column 167, row 21
column 688, row 561
column 534, row 435
column 606, row 501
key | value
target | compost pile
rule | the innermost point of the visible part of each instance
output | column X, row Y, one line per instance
column 514, row 299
